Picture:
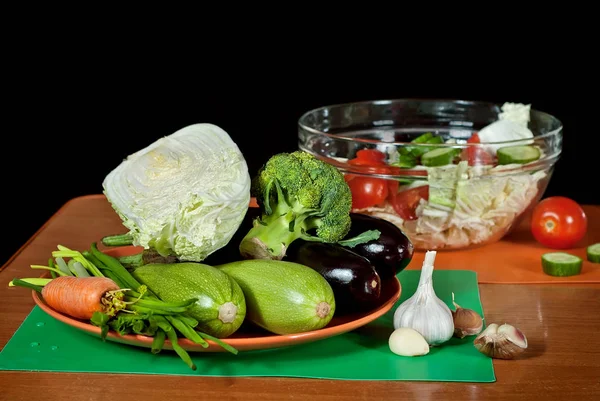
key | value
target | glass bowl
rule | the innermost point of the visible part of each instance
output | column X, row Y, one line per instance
column 448, row 189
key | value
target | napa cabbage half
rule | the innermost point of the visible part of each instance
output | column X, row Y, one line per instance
column 184, row 195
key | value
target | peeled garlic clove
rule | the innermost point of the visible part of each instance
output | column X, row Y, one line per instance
column 502, row 342
column 408, row 342
column 467, row 322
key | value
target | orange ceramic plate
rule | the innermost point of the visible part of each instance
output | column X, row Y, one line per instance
column 248, row 337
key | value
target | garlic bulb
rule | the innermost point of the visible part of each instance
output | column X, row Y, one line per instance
column 424, row 311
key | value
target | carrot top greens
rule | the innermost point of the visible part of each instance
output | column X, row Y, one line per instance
column 130, row 308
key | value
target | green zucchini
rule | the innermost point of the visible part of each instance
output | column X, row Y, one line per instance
column 283, row 297
column 220, row 307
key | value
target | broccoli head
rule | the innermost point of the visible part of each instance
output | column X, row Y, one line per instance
column 299, row 196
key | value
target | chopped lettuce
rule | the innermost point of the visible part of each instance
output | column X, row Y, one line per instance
column 443, row 182
column 468, row 205
column 486, row 204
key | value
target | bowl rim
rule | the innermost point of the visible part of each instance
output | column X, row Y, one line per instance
column 302, row 124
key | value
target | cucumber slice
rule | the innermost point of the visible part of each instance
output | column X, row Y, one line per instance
column 418, row 151
column 519, row 154
column 593, row 253
column 406, row 161
column 438, row 157
column 561, row 264
column 436, row 139
column 423, row 138
column 405, row 181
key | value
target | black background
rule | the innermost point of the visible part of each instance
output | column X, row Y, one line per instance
column 75, row 121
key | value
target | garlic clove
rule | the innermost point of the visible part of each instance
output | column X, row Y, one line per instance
column 492, row 328
column 513, row 335
column 408, row 342
column 501, row 342
column 467, row 322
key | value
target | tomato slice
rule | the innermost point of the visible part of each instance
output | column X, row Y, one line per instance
column 376, row 168
column 476, row 155
column 474, row 138
column 371, row 158
column 392, row 189
column 371, row 155
column 405, row 202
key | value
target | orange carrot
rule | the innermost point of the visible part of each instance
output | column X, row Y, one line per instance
column 80, row 297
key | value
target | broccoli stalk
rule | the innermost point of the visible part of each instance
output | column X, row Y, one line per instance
column 300, row 197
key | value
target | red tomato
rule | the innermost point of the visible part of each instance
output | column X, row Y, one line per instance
column 405, row 202
column 367, row 191
column 474, row 138
column 372, row 155
column 558, row 222
column 371, row 158
column 371, row 191
column 476, row 155
column 375, row 168
column 392, row 189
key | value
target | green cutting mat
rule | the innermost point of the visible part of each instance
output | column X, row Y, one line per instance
column 44, row 344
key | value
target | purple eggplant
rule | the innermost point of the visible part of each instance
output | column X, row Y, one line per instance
column 355, row 283
column 391, row 253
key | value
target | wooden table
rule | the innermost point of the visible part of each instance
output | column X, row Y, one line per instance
column 561, row 322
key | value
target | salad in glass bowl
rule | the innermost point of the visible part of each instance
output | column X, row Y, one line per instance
column 451, row 174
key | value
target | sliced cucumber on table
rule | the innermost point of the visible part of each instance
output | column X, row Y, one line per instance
column 519, row 154
column 593, row 253
column 561, row 264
